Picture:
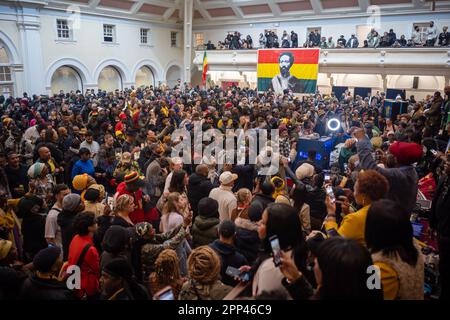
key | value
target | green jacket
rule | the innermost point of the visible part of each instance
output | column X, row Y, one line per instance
column 204, row 231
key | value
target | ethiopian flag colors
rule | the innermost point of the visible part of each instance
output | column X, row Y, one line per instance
column 205, row 69
column 303, row 69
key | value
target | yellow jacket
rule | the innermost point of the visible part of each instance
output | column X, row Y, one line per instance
column 352, row 226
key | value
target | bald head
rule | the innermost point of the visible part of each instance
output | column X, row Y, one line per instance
column 44, row 153
column 202, row 170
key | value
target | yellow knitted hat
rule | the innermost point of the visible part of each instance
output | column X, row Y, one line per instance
column 80, row 181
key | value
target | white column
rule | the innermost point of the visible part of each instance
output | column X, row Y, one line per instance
column 28, row 23
column 385, row 82
column 447, row 81
column 187, row 50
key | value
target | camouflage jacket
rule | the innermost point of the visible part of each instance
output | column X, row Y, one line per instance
column 151, row 250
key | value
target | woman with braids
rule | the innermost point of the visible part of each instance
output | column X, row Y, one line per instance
column 167, row 273
column 204, row 273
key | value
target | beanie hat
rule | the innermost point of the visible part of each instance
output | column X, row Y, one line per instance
column 283, row 199
column 71, row 202
column 119, row 268
column 304, row 171
column 208, row 207
column 80, row 181
column 142, row 229
column 46, row 258
column 5, row 247
column 35, row 170
column 115, row 239
column 406, row 153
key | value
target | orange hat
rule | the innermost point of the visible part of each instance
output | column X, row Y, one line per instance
column 80, row 181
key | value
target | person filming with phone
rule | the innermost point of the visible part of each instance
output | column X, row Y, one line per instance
column 369, row 187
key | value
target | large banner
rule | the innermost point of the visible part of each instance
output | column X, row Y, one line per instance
column 291, row 69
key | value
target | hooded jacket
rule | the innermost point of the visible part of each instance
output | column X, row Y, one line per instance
column 204, row 230
column 229, row 257
column 198, row 187
column 247, row 240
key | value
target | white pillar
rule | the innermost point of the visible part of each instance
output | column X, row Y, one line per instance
column 187, row 50
column 28, row 23
column 385, row 82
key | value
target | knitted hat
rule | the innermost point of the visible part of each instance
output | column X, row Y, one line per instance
column 304, row 171
column 71, row 202
column 80, row 181
column 142, row 229
column 208, row 207
column 406, row 153
column 5, row 247
column 45, row 259
column 119, row 268
column 134, row 179
column 35, row 170
column 115, row 239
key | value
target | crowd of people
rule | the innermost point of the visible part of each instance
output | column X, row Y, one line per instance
column 90, row 180
column 269, row 39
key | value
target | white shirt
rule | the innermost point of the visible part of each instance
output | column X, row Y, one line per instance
column 226, row 199
column 431, row 32
column 94, row 148
column 168, row 180
column 52, row 229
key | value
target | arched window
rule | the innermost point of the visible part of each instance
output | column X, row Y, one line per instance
column 6, row 79
column 66, row 79
column 173, row 74
column 144, row 77
column 109, row 79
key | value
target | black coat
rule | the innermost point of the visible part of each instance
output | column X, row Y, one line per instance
column 65, row 222
column 33, row 231
column 198, row 187
column 229, row 256
column 247, row 242
column 440, row 209
column 35, row 288
column 262, row 200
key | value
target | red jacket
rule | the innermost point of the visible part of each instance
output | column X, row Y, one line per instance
column 138, row 214
column 90, row 266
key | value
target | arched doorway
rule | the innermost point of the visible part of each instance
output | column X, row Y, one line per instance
column 6, row 78
column 172, row 76
column 145, row 77
column 67, row 79
column 109, row 79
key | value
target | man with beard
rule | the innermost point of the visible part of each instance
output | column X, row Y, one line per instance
column 285, row 80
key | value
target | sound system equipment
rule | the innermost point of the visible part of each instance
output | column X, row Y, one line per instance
column 393, row 108
column 322, row 146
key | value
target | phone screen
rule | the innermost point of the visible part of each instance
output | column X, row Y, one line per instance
column 166, row 295
column 331, row 193
column 233, row 272
column 275, row 244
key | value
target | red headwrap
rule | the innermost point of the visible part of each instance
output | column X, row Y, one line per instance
column 406, row 152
